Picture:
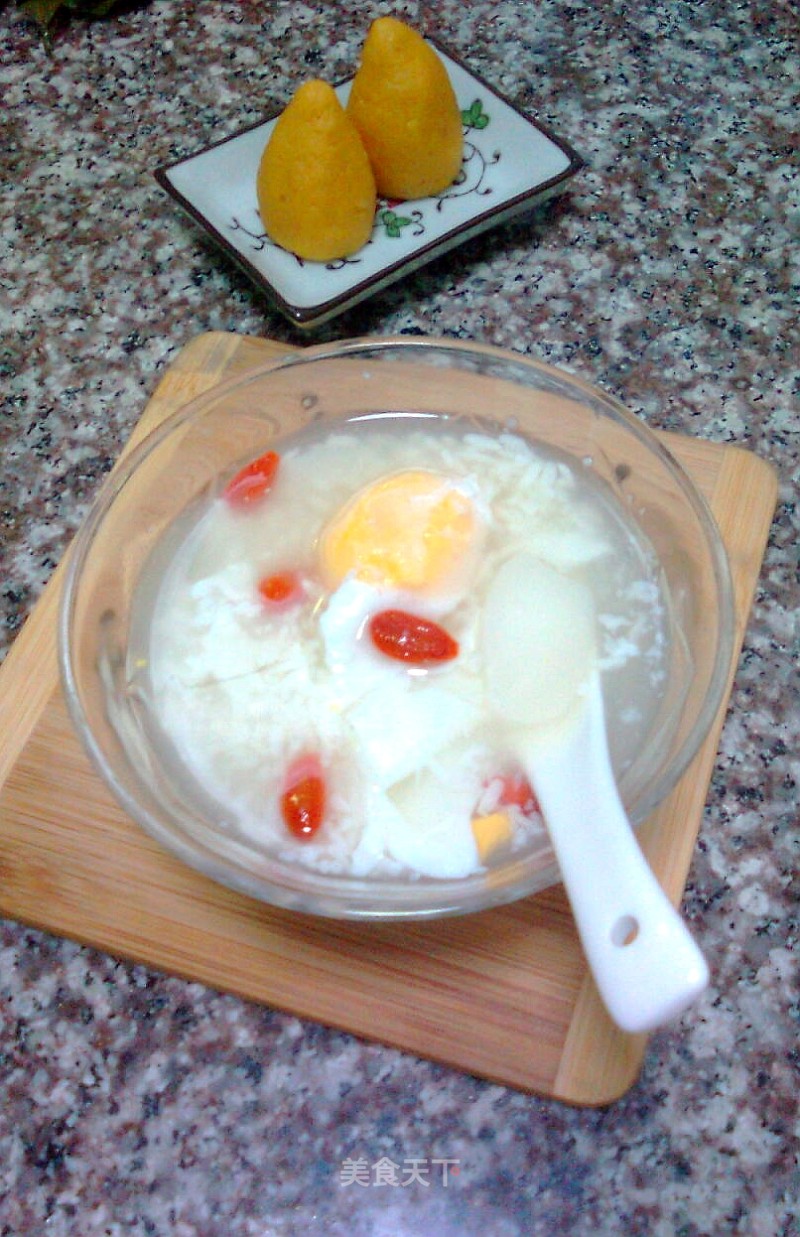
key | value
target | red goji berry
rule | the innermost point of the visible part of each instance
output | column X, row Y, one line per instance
column 304, row 798
column 408, row 637
column 253, row 481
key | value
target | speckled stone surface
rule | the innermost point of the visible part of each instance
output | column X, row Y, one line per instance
column 136, row 1104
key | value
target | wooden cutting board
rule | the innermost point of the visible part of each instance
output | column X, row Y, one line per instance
column 504, row 994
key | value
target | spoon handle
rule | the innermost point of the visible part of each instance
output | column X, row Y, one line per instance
column 647, row 967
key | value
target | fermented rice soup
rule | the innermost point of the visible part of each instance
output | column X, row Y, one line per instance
column 312, row 640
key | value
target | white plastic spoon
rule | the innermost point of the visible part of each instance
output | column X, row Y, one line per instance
column 544, row 685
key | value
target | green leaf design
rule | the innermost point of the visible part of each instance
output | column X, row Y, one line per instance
column 474, row 117
column 394, row 223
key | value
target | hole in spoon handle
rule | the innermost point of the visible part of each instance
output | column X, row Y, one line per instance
column 625, row 930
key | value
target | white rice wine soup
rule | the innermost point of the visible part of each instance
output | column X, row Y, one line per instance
column 309, row 644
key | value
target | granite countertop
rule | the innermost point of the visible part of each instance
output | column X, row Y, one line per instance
column 136, row 1103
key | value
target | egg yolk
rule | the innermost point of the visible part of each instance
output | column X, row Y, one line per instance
column 410, row 530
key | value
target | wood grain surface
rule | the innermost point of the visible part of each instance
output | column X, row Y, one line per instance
column 504, row 994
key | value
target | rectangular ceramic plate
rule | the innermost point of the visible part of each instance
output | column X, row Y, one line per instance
column 510, row 163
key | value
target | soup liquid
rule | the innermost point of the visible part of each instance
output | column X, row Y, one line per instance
column 239, row 688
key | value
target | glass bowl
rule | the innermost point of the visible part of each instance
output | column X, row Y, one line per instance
column 190, row 455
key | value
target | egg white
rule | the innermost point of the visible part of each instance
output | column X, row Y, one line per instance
column 401, row 721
